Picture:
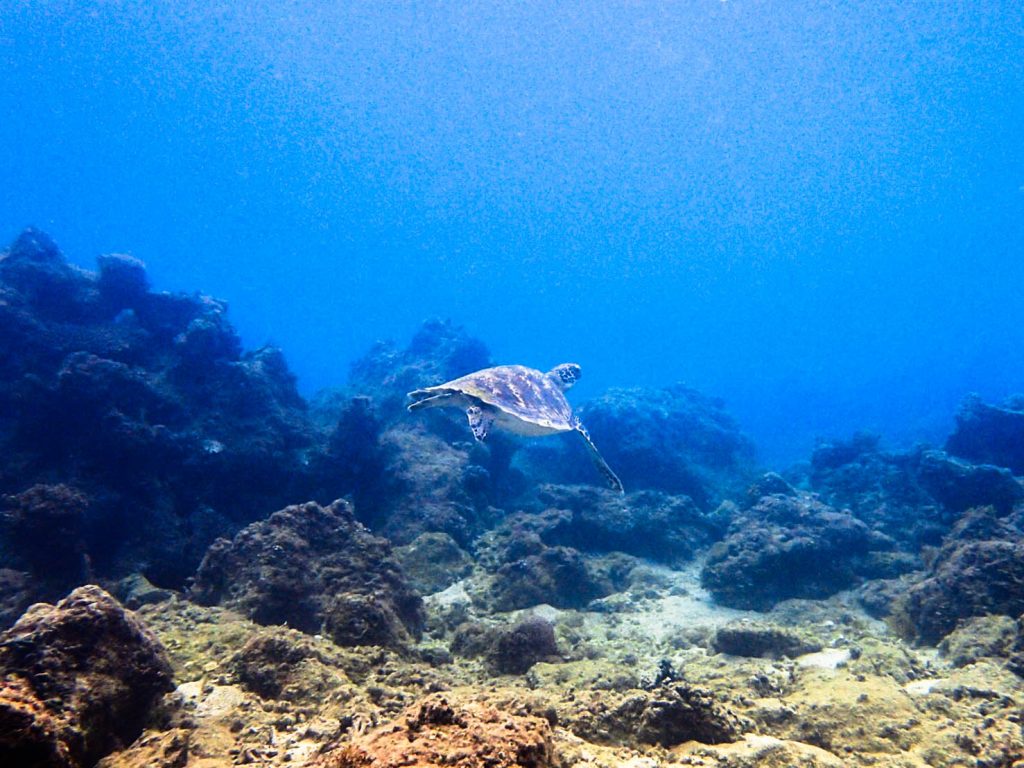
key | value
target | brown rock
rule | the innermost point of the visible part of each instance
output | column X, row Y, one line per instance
column 79, row 679
column 438, row 732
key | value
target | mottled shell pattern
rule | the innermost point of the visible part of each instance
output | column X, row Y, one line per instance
column 519, row 391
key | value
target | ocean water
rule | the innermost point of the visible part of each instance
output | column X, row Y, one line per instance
column 812, row 210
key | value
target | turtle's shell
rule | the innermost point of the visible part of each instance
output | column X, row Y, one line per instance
column 525, row 393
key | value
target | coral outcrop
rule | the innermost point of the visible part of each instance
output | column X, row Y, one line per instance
column 79, row 679
column 790, row 546
column 316, row 569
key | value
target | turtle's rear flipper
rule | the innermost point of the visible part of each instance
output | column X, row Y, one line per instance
column 602, row 466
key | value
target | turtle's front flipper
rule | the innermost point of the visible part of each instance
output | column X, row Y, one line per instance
column 479, row 421
column 428, row 398
column 602, row 466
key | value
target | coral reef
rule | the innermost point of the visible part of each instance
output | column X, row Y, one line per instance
column 79, row 678
column 316, row 569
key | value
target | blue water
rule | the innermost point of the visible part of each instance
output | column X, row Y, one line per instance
column 813, row 210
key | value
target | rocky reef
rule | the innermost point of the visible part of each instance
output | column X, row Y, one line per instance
column 340, row 583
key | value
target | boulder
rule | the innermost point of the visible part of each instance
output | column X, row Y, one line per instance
column 978, row 572
column 990, row 434
column 785, row 547
column 316, row 569
column 79, row 680
column 441, row 731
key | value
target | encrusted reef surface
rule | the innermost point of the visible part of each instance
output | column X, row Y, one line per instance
column 233, row 576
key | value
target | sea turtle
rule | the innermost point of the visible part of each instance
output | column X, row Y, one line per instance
column 517, row 399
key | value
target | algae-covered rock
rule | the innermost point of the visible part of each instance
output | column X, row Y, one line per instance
column 439, row 730
column 433, row 561
column 761, row 640
column 978, row 638
column 670, row 714
column 979, row 571
column 79, row 679
column 314, row 568
column 785, row 547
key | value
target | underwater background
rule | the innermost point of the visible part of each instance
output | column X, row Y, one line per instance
column 243, row 246
column 812, row 210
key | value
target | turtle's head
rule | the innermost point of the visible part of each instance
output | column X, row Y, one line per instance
column 565, row 375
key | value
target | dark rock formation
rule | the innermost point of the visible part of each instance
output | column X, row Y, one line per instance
column 527, row 572
column 648, row 524
column 316, row 569
column 785, row 547
column 558, row 576
column 989, row 434
column 667, row 715
column 440, row 351
column 914, row 497
column 959, row 486
column 979, row 571
column 513, row 650
column 761, row 640
column 881, row 488
column 673, row 439
column 79, row 679
column 144, row 406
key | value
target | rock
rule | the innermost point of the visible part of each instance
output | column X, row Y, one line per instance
column 785, row 547
column 978, row 571
column 166, row 749
column 122, row 282
column 136, row 590
column 670, row 714
column 433, row 562
column 989, row 434
column 557, row 576
column 881, row 488
column 80, row 678
column 673, row 439
column 761, row 640
column 439, row 351
column 513, row 650
column 980, row 637
column 649, row 524
column 146, row 405
column 279, row 663
column 18, row 590
column 314, row 568
column 959, row 486
column 44, row 527
column 437, row 731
